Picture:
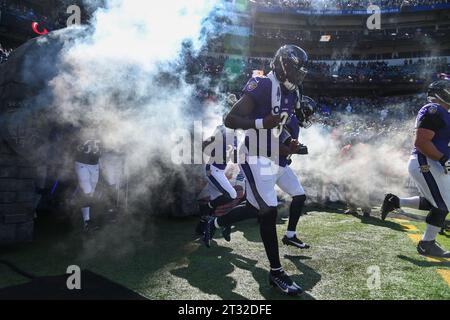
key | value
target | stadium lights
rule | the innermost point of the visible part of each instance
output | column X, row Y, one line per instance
column 325, row 38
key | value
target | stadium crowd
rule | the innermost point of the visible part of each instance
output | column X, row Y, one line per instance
column 344, row 4
column 376, row 71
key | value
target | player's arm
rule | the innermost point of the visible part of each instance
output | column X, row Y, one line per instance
column 427, row 128
column 208, row 142
column 291, row 146
column 425, row 145
column 238, row 116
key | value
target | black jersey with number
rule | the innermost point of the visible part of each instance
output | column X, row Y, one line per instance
column 88, row 149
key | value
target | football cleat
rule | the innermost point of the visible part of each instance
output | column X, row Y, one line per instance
column 391, row 202
column 432, row 249
column 210, row 230
column 284, row 283
column 351, row 210
column 226, row 233
column 295, row 242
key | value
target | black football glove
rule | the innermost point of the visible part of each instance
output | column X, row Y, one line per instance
column 303, row 150
column 445, row 163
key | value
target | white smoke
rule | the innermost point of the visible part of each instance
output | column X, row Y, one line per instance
column 376, row 164
column 125, row 78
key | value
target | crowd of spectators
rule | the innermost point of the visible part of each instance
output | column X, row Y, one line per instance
column 419, row 70
column 344, row 4
column 412, row 71
column 381, row 109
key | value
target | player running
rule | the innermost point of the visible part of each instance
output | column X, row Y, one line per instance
column 429, row 167
column 220, row 190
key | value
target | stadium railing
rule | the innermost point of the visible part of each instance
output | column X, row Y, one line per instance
column 313, row 11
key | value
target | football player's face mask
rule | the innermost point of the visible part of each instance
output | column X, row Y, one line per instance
column 289, row 66
column 294, row 79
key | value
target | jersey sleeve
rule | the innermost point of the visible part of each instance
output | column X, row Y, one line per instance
column 254, row 88
column 285, row 136
column 430, row 120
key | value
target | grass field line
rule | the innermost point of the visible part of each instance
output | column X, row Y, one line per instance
column 415, row 237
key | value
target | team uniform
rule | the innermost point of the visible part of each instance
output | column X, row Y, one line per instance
column 218, row 183
column 263, row 173
column 429, row 176
column 287, row 180
column 87, row 168
column 112, row 166
column 220, row 190
column 266, row 98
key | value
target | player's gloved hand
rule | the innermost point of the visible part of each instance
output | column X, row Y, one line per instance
column 303, row 150
column 298, row 148
column 272, row 121
column 445, row 162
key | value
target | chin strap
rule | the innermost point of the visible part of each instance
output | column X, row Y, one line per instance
column 290, row 86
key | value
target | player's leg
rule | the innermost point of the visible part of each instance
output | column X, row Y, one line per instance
column 221, row 190
column 111, row 170
column 261, row 194
column 435, row 186
column 94, row 173
column 86, row 188
column 289, row 183
column 392, row 202
column 237, row 214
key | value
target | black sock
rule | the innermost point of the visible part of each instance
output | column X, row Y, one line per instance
column 295, row 212
column 276, row 272
column 424, row 204
column 237, row 214
column 269, row 237
column 220, row 201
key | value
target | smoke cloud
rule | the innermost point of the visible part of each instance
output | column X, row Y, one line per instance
column 122, row 80
column 375, row 164
column 123, row 76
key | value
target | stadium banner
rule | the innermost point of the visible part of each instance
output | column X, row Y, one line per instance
column 335, row 12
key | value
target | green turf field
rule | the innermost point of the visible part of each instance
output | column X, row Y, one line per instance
column 163, row 260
